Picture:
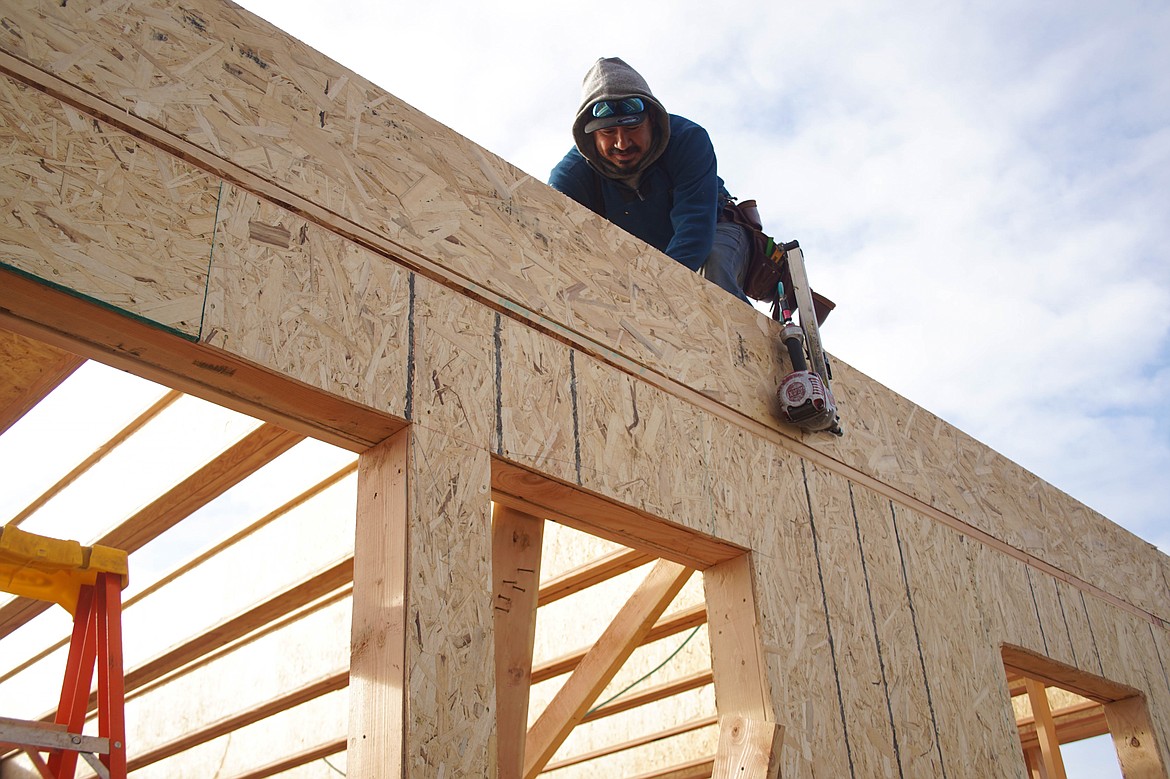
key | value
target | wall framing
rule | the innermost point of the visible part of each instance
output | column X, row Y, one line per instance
column 201, row 200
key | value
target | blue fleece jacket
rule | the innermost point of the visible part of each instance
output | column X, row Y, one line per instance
column 677, row 201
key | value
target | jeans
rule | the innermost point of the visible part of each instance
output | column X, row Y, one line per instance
column 727, row 262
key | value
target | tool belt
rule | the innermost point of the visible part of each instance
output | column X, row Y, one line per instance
column 767, row 264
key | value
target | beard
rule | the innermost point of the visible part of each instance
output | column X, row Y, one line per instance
column 626, row 171
column 629, row 172
column 633, row 157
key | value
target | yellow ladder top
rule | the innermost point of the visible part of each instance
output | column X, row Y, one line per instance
column 49, row 569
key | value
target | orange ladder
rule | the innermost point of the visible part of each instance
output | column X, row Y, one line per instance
column 87, row 582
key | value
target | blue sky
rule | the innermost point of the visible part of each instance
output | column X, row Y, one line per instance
column 981, row 187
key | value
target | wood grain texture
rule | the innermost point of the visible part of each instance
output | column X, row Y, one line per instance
column 93, row 209
column 745, row 748
column 1050, row 755
column 29, row 370
column 737, row 654
column 378, row 654
column 1139, row 752
column 516, row 552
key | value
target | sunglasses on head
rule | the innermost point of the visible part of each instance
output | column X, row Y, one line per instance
column 629, row 105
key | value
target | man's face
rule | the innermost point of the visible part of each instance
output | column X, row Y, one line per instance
column 623, row 147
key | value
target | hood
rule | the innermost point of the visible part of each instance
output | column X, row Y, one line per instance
column 611, row 78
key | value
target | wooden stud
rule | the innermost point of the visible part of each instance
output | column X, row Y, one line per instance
column 378, row 634
column 453, row 217
column 748, row 733
column 1034, row 763
column 516, row 550
column 1073, row 723
column 1045, row 730
column 1138, row 751
column 439, row 237
column 746, row 748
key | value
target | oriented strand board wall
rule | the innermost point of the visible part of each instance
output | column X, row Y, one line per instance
column 241, row 99
column 201, row 171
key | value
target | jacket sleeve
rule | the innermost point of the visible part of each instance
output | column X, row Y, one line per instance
column 690, row 157
column 574, row 177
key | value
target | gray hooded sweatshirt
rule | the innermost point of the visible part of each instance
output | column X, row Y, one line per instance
column 611, row 78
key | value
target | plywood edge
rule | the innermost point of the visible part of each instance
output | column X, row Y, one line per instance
column 1029, row 664
column 68, row 322
column 536, row 494
column 30, row 370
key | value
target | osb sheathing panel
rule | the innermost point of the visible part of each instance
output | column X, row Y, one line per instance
column 1055, row 636
column 1085, row 652
column 536, row 401
column 1009, row 611
column 790, row 602
column 233, row 88
column 228, row 83
column 963, row 669
column 894, row 628
column 450, row 690
column 913, row 451
column 1130, row 654
column 287, row 294
column 89, row 208
column 1127, row 649
column 291, row 296
column 858, row 659
column 1159, row 673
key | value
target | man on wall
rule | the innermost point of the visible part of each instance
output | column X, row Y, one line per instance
column 652, row 173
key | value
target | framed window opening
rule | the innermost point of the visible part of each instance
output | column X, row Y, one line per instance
column 669, row 642
column 1055, row 704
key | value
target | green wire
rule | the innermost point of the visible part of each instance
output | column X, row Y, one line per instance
column 613, row 697
column 646, row 676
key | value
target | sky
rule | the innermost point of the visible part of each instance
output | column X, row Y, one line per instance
column 981, row 187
